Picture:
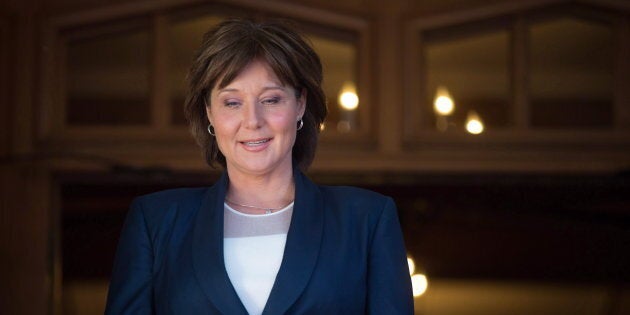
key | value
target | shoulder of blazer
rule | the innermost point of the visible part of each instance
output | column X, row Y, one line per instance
column 176, row 195
column 158, row 205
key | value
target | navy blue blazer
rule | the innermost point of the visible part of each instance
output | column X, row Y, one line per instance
column 344, row 254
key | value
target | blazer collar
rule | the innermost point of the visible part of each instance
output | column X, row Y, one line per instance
column 207, row 251
column 302, row 247
column 300, row 252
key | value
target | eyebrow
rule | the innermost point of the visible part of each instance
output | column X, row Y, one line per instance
column 267, row 88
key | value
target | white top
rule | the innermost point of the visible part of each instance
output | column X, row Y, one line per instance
column 253, row 248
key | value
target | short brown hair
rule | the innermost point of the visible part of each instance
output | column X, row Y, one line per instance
column 227, row 49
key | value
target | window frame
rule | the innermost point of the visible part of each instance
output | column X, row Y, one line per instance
column 521, row 134
column 57, row 30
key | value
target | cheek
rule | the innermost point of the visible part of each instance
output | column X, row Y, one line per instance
column 223, row 122
column 224, row 130
column 284, row 121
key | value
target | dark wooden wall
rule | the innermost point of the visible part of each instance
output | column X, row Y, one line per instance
column 529, row 220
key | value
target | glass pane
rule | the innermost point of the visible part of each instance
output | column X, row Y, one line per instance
column 107, row 79
column 571, row 75
column 339, row 62
column 185, row 38
column 473, row 72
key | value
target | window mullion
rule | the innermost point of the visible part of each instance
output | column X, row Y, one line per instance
column 520, row 74
column 159, row 73
column 622, row 76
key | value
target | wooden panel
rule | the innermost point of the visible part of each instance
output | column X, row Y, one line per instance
column 519, row 64
column 25, row 240
column 24, row 82
column 468, row 226
column 6, row 45
column 388, row 72
column 622, row 75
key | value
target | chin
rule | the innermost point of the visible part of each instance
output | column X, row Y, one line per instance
column 262, row 166
column 256, row 167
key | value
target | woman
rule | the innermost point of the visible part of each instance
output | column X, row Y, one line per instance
column 264, row 239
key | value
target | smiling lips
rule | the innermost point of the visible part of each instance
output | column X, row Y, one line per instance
column 256, row 145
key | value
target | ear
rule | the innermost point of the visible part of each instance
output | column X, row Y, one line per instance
column 301, row 103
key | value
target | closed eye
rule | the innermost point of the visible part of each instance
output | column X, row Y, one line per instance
column 231, row 103
column 271, row 101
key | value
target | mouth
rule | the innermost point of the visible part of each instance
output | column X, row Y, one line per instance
column 257, row 142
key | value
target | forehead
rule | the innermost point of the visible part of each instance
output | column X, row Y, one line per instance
column 261, row 66
column 254, row 72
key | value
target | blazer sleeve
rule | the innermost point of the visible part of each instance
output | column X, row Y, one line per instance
column 130, row 288
column 389, row 283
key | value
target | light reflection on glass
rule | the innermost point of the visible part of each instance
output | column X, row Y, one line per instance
column 443, row 103
column 420, row 284
column 419, row 281
column 474, row 124
column 411, row 264
column 339, row 60
column 348, row 98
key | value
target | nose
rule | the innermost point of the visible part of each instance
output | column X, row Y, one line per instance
column 251, row 115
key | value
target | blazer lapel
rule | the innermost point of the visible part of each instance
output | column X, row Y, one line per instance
column 207, row 252
column 301, row 249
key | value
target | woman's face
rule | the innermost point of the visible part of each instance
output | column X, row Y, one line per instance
column 255, row 121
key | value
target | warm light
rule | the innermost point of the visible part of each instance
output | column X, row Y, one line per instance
column 343, row 126
column 419, row 284
column 322, row 127
column 474, row 124
column 418, row 281
column 348, row 98
column 411, row 264
column 443, row 103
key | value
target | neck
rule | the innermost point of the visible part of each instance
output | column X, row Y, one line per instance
column 269, row 192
